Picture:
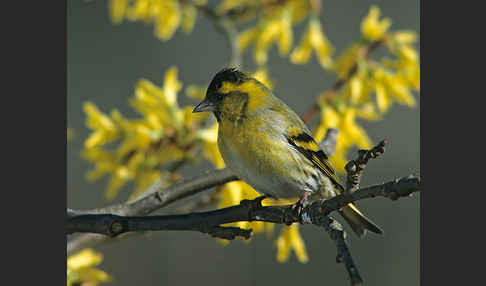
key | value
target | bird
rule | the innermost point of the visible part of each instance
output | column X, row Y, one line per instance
column 268, row 146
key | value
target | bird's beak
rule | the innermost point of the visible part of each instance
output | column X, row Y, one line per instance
column 205, row 105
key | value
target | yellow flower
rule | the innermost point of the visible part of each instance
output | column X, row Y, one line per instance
column 346, row 60
column 247, row 37
column 161, row 102
column 168, row 18
column 163, row 134
column 290, row 239
column 313, row 39
column 382, row 98
column 210, row 146
column 404, row 37
column 117, row 9
column 85, row 258
column 167, row 15
column 350, row 133
column 411, row 75
column 367, row 111
column 171, row 86
column 357, row 89
column 227, row 5
column 277, row 29
column 80, row 268
column 189, row 14
column 140, row 10
column 391, row 86
column 118, row 179
column 329, row 118
column 300, row 9
column 408, row 54
column 105, row 130
column 352, row 130
column 371, row 27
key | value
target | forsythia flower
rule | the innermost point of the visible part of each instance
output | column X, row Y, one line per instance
column 347, row 60
column 189, row 15
column 164, row 134
column 391, row 86
column 371, row 27
column 277, row 30
column 274, row 26
column 313, row 39
column 168, row 18
column 227, row 5
column 209, row 138
column 105, row 130
column 167, row 15
column 80, row 269
column 290, row 239
column 350, row 133
column 117, row 8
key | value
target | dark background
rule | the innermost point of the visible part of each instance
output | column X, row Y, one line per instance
column 103, row 64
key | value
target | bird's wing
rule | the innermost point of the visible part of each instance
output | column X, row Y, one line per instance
column 306, row 145
column 297, row 134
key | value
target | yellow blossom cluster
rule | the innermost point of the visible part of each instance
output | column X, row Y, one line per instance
column 167, row 15
column 81, row 271
column 139, row 149
column 274, row 26
column 373, row 85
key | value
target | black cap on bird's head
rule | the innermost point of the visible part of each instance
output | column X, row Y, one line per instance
column 213, row 96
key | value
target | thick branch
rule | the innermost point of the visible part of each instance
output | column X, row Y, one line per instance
column 316, row 213
column 247, row 210
column 155, row 198
column 252, row 210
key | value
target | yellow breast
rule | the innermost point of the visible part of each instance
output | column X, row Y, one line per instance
column 253, row 145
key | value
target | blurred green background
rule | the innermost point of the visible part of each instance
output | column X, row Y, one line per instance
column 103, row 64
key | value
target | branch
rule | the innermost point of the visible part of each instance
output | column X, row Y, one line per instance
column 155, row 198
column 354, row 168
column 248, row 210
column 210, row 222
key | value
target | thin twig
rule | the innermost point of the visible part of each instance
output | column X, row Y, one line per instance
column 226, row 27
column 354, row 168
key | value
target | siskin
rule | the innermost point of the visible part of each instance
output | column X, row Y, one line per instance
column 267, row 145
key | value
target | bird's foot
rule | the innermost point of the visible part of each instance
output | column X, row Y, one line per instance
column 301, row 204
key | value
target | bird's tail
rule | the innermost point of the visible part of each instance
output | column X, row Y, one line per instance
column 358, row 222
